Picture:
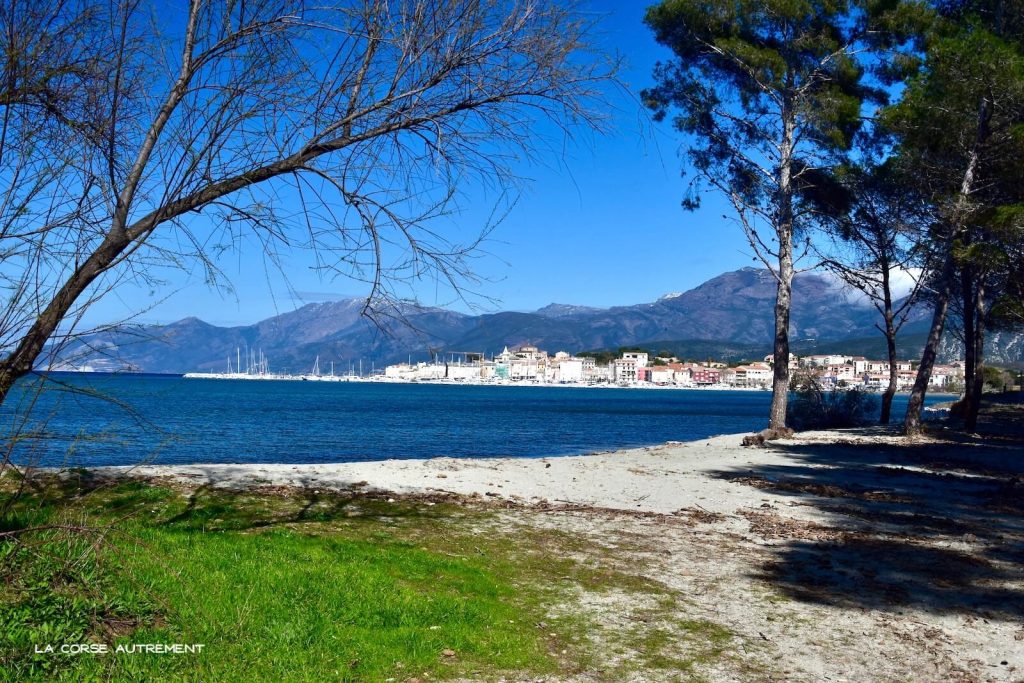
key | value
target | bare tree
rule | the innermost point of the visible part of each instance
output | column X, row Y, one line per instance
column 136, row 134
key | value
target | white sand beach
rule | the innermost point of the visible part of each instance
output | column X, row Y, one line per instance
column 657, row 479
column 842, row 556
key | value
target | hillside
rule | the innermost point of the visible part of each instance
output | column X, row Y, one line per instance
column 729, row 316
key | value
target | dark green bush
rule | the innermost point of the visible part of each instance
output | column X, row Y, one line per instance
column 812, row 407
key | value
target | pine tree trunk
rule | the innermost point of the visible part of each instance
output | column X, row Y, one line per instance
column 783, row 304
column 912, row 422
column 784, row 292
column 890, row 343
column 978, row 381
column 967, row 297
column 890, row 335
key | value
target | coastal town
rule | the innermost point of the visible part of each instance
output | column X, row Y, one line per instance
column 631, row 369
column 640, row 368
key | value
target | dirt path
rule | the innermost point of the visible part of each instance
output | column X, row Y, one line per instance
column 787, row 617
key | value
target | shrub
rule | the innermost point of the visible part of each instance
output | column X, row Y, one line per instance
column 814, row 408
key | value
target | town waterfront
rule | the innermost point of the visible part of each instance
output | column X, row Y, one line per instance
column 128, row 419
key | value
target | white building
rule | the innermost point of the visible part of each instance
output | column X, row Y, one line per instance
column 419, row 371
column 638, row 357
column 567, row 369
column 663, row 374
column 623, row 370
column 400, row 371
column 525, row 363
column 945, row 375
column 843, row 373
column 592, row 372
column 682, row 374
column 466, row 372
column 760, row 374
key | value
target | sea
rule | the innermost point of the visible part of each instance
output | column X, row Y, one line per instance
column 94, row 419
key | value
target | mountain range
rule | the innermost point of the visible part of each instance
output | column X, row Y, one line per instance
column 729, row 317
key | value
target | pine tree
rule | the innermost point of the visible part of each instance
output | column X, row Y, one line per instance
column 768, row 92
column 959, row 126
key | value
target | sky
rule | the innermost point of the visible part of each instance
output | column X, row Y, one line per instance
column 597, row 224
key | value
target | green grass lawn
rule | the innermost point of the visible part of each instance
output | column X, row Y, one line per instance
column 285, row 586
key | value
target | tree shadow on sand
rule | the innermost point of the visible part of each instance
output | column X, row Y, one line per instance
column 935, row 526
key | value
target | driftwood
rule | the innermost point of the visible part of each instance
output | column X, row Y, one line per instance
column 761, row 439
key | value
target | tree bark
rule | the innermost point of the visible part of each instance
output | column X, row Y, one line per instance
column 784, row 292
column 978, row 380
column 970, row 331
column 912, row 422
column 890, row 343
column 890, row 332
column 783, row 303
column 23, row 358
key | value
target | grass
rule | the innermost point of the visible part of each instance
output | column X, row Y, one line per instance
column 683, row 645
column 669, row 645
column 289, row 586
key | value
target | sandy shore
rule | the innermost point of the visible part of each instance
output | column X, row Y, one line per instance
column 659, row 479
column 844, row 556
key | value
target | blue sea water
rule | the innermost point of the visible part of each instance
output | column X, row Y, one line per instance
column 128, row 419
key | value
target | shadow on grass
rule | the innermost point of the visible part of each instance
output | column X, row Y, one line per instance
column 939, row 527
column 210, row 508
column 207, row 507
column 381, row 584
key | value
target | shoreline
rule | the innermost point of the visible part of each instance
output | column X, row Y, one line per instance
column 659, row 479
column 346, row 379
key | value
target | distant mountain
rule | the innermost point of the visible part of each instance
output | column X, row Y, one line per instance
column 564, row 310
column 730, row 316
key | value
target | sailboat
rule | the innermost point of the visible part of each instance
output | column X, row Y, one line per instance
column 314, row 375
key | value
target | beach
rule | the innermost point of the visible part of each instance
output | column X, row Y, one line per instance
column 850, row 555
column 657, row 479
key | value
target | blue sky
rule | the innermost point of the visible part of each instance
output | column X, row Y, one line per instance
column 599, row 224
